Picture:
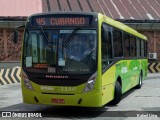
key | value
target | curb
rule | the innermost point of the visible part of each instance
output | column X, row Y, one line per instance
column 153, row 76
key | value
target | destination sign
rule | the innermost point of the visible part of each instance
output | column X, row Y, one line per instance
column 60, row 21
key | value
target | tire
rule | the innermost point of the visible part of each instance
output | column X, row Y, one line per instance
column 117, row 94
column 140, row 82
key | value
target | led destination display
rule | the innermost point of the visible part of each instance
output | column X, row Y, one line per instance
column 61, row 21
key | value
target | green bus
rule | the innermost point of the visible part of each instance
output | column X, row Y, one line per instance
column 80, row 59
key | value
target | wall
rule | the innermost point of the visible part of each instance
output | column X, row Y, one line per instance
column 153, row 47
column 8, row 50
column 153, row 43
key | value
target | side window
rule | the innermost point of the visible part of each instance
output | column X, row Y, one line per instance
column 145, row 49
column 142, row 48
column 138, row 47
column 106, row 46
column 126, row 42
column 133, row 46
column 117, row 40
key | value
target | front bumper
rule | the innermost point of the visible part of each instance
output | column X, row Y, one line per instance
column 89, row 99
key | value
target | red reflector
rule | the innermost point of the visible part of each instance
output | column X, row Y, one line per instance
column 58, row 101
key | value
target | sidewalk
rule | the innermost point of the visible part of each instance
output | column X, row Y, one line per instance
column 153, row 76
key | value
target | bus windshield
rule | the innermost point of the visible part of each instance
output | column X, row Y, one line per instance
column 61, row 52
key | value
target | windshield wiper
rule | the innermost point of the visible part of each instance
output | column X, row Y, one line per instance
column 49, row 42
column 69, row 38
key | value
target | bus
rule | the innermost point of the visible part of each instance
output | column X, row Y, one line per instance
column 80, row 59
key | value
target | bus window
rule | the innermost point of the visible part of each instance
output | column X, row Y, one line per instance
column 51, row 50
column 133, row 46
column 76, row 48
column 142, row 48
column 34, row 48
column 106, row 46
column 126, row 40
column 138, row 47
column 117, row 40
column 37, row 48
column 79, row 56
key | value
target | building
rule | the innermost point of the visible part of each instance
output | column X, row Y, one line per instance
column 14, row 13
column 142, row 15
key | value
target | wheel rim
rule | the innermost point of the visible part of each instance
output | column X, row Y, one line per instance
column 140, row 80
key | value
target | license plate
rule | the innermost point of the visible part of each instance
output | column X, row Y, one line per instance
column 58, row 101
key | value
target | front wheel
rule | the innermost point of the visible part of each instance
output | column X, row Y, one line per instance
column 117, row 94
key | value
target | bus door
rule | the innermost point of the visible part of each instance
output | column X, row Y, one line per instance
column 107, row 54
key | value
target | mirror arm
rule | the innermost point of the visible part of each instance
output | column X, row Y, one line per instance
column 20, row 26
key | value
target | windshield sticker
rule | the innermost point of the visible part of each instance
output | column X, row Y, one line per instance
column 51, row 69
column 61, row 62
column 29, row 61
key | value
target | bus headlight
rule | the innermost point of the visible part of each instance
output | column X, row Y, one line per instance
column 89, row 85
column 27, row 82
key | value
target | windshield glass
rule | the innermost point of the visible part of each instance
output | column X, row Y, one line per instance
column 60, row 53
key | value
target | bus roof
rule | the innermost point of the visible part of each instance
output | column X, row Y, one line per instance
column 67, row 12
column 121, row 26
column 108, row 20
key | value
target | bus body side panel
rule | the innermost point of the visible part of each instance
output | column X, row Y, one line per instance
column 107, row 78
column 108, row 83
column 128, row 71
column 144, row 64
column 130, row 74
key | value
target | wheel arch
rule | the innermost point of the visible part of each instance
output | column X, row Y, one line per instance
column 119, row 80
column 141, row 73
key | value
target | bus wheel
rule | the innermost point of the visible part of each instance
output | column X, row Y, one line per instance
column 117, row 94
column 140, row 81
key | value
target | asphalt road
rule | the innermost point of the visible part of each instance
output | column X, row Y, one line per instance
column 136, row 104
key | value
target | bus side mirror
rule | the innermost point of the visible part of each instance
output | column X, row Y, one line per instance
column 15, row 33
column 15, row 36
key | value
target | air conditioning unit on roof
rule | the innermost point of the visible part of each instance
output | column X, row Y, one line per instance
column 152, row 55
